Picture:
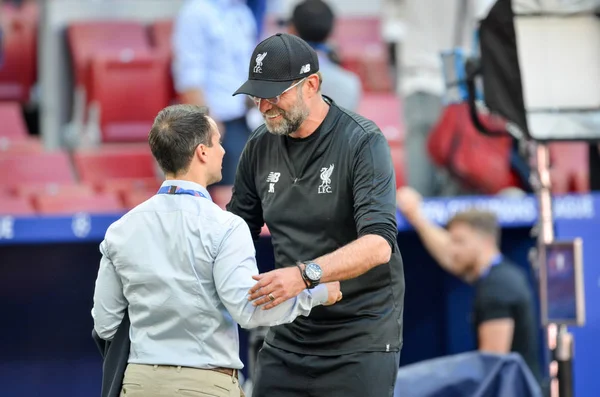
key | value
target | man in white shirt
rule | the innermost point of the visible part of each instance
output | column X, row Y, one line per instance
column 182, row 268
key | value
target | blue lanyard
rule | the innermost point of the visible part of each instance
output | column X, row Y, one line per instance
column 177, row 190
column 495, row 262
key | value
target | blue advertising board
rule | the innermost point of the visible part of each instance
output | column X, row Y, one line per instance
column 49, row 265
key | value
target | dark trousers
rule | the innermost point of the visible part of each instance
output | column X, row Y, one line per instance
column 284, row 374
column 236, row 135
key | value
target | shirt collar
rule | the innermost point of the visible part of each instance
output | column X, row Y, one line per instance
column 187, row 185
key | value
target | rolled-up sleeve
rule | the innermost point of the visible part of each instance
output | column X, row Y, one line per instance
column 234, row 266
column 109, row 301
column 190, row 49
column 374, row 189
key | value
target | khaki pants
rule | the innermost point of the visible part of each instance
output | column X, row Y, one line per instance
column 164, row 381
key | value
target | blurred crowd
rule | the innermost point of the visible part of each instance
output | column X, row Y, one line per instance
column 400, row 62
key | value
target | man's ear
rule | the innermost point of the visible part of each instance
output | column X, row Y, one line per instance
column 313, row 83
column 201, row 153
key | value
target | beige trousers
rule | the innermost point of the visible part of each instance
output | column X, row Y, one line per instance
column 166, row 381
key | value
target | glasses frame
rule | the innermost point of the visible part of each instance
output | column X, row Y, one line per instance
column 275, row 100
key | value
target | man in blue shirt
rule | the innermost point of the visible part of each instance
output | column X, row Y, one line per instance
column 182, row 268
column 212, row 41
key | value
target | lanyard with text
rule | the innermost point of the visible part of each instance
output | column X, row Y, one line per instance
column 495, row 262
column 177, row 190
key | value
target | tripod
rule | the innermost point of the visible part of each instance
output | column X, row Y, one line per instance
column 561, row 344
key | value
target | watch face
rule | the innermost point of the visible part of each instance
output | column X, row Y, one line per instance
column 313, row 271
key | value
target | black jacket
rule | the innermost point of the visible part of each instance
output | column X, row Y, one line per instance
column 318, row 194
column 115, row 354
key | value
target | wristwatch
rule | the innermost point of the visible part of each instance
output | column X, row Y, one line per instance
column 312, row 274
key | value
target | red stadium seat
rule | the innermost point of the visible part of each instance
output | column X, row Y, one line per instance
column 363, row 29
column 19, row 54
column 15, row 206
column 36, row 189
column 126, row 185
column 9, row 146
column 265, row 231
column 132, row 199
column 569, row 167
column 363, row 51
column 386, row 111
column 73, row 203
column 119, row 162
column 13, row 124
column 221, row 195
column 24, row 168
column 160, row 36
column 397, row 152
column 370, row 61
column 88, row 38
column 128, row 94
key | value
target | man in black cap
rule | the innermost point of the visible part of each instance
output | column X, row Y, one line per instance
column 313, row 21
column 322, row 179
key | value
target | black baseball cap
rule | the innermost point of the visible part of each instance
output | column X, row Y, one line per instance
column 276, row 62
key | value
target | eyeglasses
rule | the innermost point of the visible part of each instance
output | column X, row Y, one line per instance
column 275, row 100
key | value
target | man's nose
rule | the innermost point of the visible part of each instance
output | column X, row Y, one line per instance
column 265, row 106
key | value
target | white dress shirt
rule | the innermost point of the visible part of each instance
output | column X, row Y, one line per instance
column 182, row 267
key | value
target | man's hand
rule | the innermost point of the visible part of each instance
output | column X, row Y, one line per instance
column 276, row 287
column 335, row 294
column 409, row 202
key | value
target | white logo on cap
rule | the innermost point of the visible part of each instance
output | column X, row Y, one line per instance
column 259, row 61
column 305, row 68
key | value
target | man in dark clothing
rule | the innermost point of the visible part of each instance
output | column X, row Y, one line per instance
column 321, row 178
column 504, row 311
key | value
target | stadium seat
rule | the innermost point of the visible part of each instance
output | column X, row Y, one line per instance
column 125, row 185
column 132, row 199
column 397, row 152
column 19, row 54
column 221, row 195
column 569, row 167
column 13, row 124
column 89, row 38
column 363, row 29
column 370, row 61
column 95, row 166
column 32, row 190
column 15, row 206
column 160, row 36
column 128, row 95
column 73, row 203
column 10, row 146
column 25, row 168
column 386, row 111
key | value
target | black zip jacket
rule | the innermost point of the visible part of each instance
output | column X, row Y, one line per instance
column 316, row 195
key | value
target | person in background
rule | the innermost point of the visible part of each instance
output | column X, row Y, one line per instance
column 182, row 268
column 313, row 21
column 259, row 10
column 503, row 314
column 209, row 58
column 432, row 26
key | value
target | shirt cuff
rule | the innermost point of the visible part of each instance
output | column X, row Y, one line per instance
column 319, row 295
